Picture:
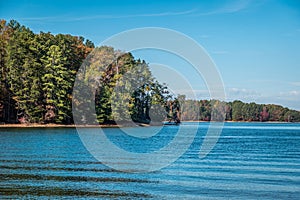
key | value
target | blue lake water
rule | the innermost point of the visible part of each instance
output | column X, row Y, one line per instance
column 249, row 161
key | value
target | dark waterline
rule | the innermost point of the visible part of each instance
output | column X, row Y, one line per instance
column 250, row 161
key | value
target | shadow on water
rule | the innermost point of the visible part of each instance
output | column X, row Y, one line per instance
column 69, row 178
column 48, row 168
column 72, row 162
column 60, row 192
column 17, row 190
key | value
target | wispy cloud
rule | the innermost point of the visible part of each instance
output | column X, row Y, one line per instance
column 289, row 95
column 242, row 94
column 92, row 17
column 241, row 91
column 232, row 7
column 294, row 93
column 287, row 98
column 295, row 83
column 274, row 82
column 40, row 18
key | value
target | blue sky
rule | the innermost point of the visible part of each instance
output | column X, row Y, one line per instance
column 255, row 44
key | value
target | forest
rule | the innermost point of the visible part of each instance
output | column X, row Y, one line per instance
column 201, row 110
column 38, row 73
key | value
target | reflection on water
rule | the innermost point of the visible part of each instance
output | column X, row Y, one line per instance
column 250, row 161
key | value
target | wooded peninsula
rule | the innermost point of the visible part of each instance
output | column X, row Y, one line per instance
column 38, row 72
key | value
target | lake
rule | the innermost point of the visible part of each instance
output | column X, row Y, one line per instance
column 249, row 161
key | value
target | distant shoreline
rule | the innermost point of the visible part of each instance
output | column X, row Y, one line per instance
column 113, row 125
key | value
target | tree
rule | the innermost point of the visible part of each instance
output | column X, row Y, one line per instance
column 237, row 111
column 57, row 82
column 264, row 115
column 23, row 75
column 292, row 116
column 7, row 104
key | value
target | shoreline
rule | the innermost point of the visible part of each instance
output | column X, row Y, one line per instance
column 114, row 125
column 57, row 126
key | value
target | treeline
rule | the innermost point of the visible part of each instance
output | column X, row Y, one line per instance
column 194, row 110
column 38, row 73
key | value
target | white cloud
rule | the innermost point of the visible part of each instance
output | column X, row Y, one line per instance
column 241, row 91
column 295, row 83
column 134, row 15
column 91, row 17
column 242, row 94
column 292, row 95
column 290, row 99
column 232, row 7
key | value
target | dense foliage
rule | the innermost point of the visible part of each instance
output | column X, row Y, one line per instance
column 194, row 110
column 37, row 74
column 38, row 71
column 123, row 88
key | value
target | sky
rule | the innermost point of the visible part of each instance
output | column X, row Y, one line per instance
column 255, row 45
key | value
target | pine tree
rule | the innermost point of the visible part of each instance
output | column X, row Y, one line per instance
column 23, row 74
column 7, row 104
column 57, row 81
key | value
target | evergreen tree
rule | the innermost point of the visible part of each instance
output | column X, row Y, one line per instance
column 7, row 104
column 23, row 74
column 57, row 82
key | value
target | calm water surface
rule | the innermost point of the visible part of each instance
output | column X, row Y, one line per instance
column 250, row 161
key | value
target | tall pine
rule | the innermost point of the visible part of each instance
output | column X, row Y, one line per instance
column 56, row 84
